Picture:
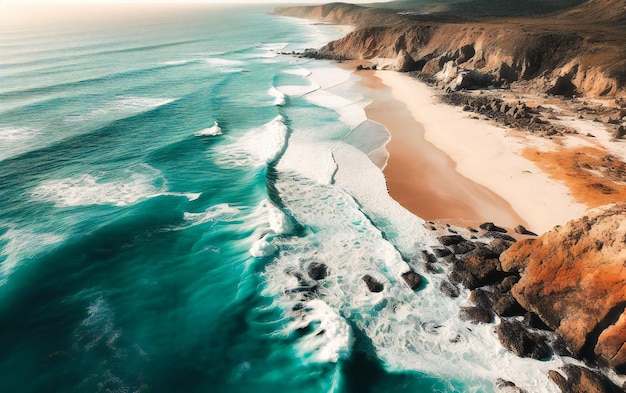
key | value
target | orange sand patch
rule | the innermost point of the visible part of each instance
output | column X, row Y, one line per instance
column 594, row 177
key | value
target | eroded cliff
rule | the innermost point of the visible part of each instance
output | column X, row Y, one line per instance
column 574, row 278
column 580, row 51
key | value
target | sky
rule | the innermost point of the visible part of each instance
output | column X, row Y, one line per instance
column 180, row 1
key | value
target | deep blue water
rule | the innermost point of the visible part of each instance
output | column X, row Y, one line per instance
column 136, row 256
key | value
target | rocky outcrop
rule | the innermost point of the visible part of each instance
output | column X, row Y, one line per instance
column 582, row 380
column 564, row 54
column 574, row 278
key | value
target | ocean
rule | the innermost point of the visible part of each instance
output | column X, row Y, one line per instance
column 184, row 209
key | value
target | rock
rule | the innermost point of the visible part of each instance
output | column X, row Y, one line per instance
column 532, row 320
column 499, row 235
column 490, row 226
column 483, row 267
column 317, row 270
column 372, row 284
column 505, row 305
column 507, row 283
column 500, row 245
column 404, row 62
column 412, row 279
column 428, row 257
column 449, row 289
column 481, row 298
column 620, row 133
column 574, row 278
column 441, row 252
column 521, row 342
column 431, row 268
column 582, row 380
column 450, row 240
column 523, row 231
column 507, row 387
column 462, row 248
column 475, row 315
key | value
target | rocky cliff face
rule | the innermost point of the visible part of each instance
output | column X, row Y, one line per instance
column 574, row 278
column 558, row 54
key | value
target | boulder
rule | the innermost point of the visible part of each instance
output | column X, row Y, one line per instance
column 449, row 289
column 372, row 284
column 574, row 278
column 521, row 342
column 450, row 240
column 412, row 279
column 523, row 231
column 582, row 380
column 490, row 226
column 317, row 270
column 475, row 315
column 404, row 62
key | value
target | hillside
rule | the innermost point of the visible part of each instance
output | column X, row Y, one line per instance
column 579, row 50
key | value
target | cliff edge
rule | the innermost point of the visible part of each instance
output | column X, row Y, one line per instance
column 574, row 278
column 577, row 51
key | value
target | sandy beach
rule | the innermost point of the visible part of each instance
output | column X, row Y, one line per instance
column 445, row 165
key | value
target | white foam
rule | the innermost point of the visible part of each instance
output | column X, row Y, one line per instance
column 12, row 140
column 279, row 96
column 297, row 91
column 300, row 71
column 87, row 189
column 278, row 221
column 21, row 244
column 225, row 65
column 258, row 147
column 263, row 248
column 214, row 130
column 178, row 62
column 215, row 213
column 331, row 338
column 122, row 106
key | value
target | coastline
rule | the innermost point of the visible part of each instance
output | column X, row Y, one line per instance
column 494, row 182
column 422, row 177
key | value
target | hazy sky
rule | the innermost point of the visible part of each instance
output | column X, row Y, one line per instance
column 174, row 1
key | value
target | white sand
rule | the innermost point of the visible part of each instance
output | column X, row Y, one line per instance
column 484, row 154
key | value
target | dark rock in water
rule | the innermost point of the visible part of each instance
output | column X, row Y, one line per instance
column 476, row 315
column 481, row 298
column 523, row 231
column 317, row 270
column 521, row 342
column 508, row 386
column 499, row 246
column 582, row 380
column 431, row 268
column 372, row 284
column 532, row 320
column 462, row 248
column 442, row 252
column 428, row 257
column 449, row 289
column 499, row 235
column 449, row 240
column 463, row 277
column 491, row 227
column 412, row 279
column 294, row 273
column 559, row 347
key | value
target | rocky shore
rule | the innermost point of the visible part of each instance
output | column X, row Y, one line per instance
column 563, row 293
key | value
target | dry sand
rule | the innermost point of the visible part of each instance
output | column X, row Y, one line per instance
column 474, row 172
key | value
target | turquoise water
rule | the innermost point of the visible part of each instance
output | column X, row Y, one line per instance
column 144, row 249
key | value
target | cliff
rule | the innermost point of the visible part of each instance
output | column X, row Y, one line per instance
column 578, row 51
column 574, row 278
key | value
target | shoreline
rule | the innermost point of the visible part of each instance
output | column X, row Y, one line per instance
column 422, row 177
column 448, row 167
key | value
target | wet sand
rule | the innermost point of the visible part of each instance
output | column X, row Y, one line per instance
column 421, row 177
